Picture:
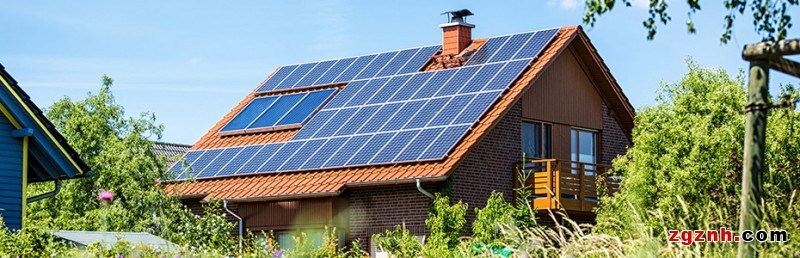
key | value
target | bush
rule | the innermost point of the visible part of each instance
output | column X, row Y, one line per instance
column 398, row 242
column 486, row 228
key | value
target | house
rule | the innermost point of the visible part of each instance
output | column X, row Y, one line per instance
column 31, row 150
column 359, row 143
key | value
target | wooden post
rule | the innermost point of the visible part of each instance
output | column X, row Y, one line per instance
column 754, row 138
column 557, row 185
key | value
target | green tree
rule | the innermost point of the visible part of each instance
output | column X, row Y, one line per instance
column 446, row 223
column 771, row 18
column 486, row 228
column 683, row 171
column 118, row 149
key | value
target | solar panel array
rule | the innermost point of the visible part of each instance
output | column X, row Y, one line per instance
column 348, row 69
column 279, row 110
column 404, row 117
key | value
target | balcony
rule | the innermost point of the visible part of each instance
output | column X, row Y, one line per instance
column 570, row 185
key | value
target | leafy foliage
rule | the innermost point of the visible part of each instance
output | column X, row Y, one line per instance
column 771, row 18
column 487, row 225
column 118, row 149
column 399, row 242
column 684, row 169
column 446, row 223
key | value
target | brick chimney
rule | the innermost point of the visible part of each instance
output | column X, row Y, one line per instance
column 456, row 33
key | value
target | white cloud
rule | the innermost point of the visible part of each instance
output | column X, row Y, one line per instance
column 564, row 4
column 572, row 4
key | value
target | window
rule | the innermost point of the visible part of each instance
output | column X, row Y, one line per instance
column 279, row 110
column 584, row 148
column 537, row 139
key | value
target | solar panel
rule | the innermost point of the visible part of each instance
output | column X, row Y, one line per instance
column 377, row 64
column 393, row 148
column 370, row 149
column 398, row 62
column 536, row 44
column 279, row 110
column 333, row 72
column 419, row 144
column 389, row 112
column 439, row 148
column 349, row 69
column 357, row 120
column 434, row 84
column 419, row 60
column 295, row 161
column 511, row 47
column 318, row 158
column 487, row 50
column 347, row 150
column 249, row 113
column 389, row 89
column 219, row 162
column 180, row 171
column 257, row 160
column 316, row 73
column 303, row 110
column 276, row 78
column 238, row 161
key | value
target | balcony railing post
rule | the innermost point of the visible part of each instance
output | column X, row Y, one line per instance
column 557, row 186
column 581, row 172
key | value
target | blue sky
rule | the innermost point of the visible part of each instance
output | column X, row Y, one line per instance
column 190, row 62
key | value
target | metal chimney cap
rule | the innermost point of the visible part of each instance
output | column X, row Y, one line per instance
column 457, row 17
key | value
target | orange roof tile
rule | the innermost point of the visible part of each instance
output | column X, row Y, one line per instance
column 274, row 186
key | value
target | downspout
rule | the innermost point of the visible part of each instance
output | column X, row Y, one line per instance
column 241, row 223
column 426, row 193
column 48, row 194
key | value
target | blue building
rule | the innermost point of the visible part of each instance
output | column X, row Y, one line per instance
column 31, row 150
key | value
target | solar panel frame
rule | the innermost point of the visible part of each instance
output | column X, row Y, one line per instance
column 307, row 109
column 266, row 122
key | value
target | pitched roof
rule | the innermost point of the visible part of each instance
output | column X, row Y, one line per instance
column 170, row 149
column 52, row 157
column 331, row 182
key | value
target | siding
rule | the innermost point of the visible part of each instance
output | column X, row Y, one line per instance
column 564, row 95
column 10, row 176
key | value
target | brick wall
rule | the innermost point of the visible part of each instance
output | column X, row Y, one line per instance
column 614, row 142
column 375, row 209
column 490, row 166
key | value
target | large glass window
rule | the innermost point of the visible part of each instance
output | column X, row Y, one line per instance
column 584, row 146
column 537, row 139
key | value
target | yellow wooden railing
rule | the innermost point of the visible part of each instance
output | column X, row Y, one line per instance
column 570, row 185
